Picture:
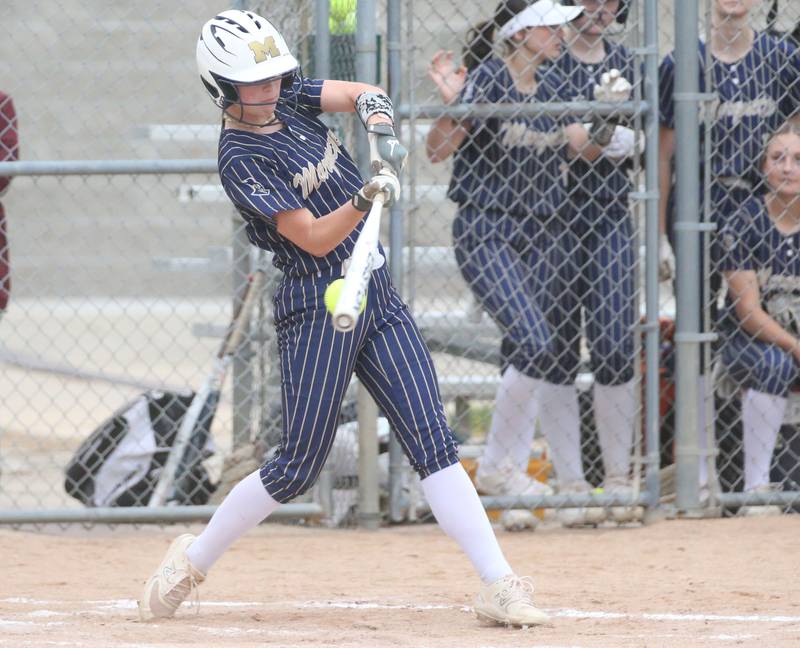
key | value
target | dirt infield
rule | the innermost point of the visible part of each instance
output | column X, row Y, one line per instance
column 673, row 583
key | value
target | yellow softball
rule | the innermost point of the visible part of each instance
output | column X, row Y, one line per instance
column 334, row 291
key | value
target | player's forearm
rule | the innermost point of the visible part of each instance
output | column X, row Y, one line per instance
column 319, row 236
column 579, row 144
column 340, row 96
column 330, row 230
column 758, row 323
column 444, row 138
column 666, row 148
column 664, row 184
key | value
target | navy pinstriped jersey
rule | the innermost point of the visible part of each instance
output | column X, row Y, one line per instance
column 749, row 240
column 755, row 95
column 303, row 165
column 602, row 182
column 509, row 164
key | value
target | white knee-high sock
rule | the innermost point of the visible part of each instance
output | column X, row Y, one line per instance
column 615, row 411
column 245, row 507
column 513, row 421
column 762, row 415
column 459, row 512
column 560, row 418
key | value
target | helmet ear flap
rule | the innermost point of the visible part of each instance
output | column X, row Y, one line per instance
column 229, row 91
column 287, row 81
column 211, row 88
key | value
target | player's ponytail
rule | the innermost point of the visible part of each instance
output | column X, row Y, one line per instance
column 480, row 39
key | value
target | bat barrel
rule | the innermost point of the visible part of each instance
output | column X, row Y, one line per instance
column 359, row 272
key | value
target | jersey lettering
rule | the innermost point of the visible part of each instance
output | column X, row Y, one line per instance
column 737, row 110
column 519, row 134
column 312, row 176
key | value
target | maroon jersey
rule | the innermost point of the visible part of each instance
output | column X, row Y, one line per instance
column 9, row 151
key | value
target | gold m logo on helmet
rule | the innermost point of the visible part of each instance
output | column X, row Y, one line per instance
column 264, row 50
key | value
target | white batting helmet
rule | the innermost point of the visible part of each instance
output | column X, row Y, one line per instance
column 241, row 47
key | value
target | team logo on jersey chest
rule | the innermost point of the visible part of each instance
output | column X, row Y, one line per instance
column 256, row 187
column 313, row 175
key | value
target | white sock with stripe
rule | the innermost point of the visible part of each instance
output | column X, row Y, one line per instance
column 513, row 421
column 245, row 507
column 460, row 514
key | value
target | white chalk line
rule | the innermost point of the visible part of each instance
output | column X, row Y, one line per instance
column 567, row 613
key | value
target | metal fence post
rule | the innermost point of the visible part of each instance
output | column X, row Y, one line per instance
column 322, row 39
column 687, row 229
column 652, row 386
column 396, row 239
column 368, row 497
column 241, row 371
column 322, row 70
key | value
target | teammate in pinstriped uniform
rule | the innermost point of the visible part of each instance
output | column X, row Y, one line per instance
column 599, row 273
column 755, row 79
column 759, row 250
column 302, row 197
column 511, row 235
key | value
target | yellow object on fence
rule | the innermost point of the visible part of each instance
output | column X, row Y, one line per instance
column 343, row 17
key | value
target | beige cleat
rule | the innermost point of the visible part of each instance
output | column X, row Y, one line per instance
column 573, row 516
column 510, row 480
column 761, row 511
column 172, row 583
column 622, row 514
column 509, row 601
column 518, row 520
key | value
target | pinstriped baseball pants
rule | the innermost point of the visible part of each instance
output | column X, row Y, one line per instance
column 387, row 354
column 534, row 279
column 758, row 365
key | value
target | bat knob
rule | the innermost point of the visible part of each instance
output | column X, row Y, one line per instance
column 344, row 323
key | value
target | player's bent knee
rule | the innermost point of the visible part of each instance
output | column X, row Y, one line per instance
column 285, row 481
column 617, row 371
column 431, row 467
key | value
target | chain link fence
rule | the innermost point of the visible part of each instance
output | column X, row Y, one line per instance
column 520, row 248
column 537, row 318
column 749, row 413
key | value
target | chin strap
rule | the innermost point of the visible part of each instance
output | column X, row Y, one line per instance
column 273, row 120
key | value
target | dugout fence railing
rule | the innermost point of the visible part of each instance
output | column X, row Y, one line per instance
column 131, row 262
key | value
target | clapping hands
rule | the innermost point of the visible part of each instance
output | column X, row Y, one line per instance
column 448, row 78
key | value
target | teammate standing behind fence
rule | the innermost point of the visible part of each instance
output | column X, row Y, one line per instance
column 509, row 234
column 754, row 78
column 9, row 152
column 599, row 274
column 759, row 250
column 302, row 198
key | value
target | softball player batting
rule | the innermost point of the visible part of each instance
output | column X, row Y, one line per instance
column 755, row 78
column 512, row 232
column 301, row 196
column 598, row 274
column 759, row 250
